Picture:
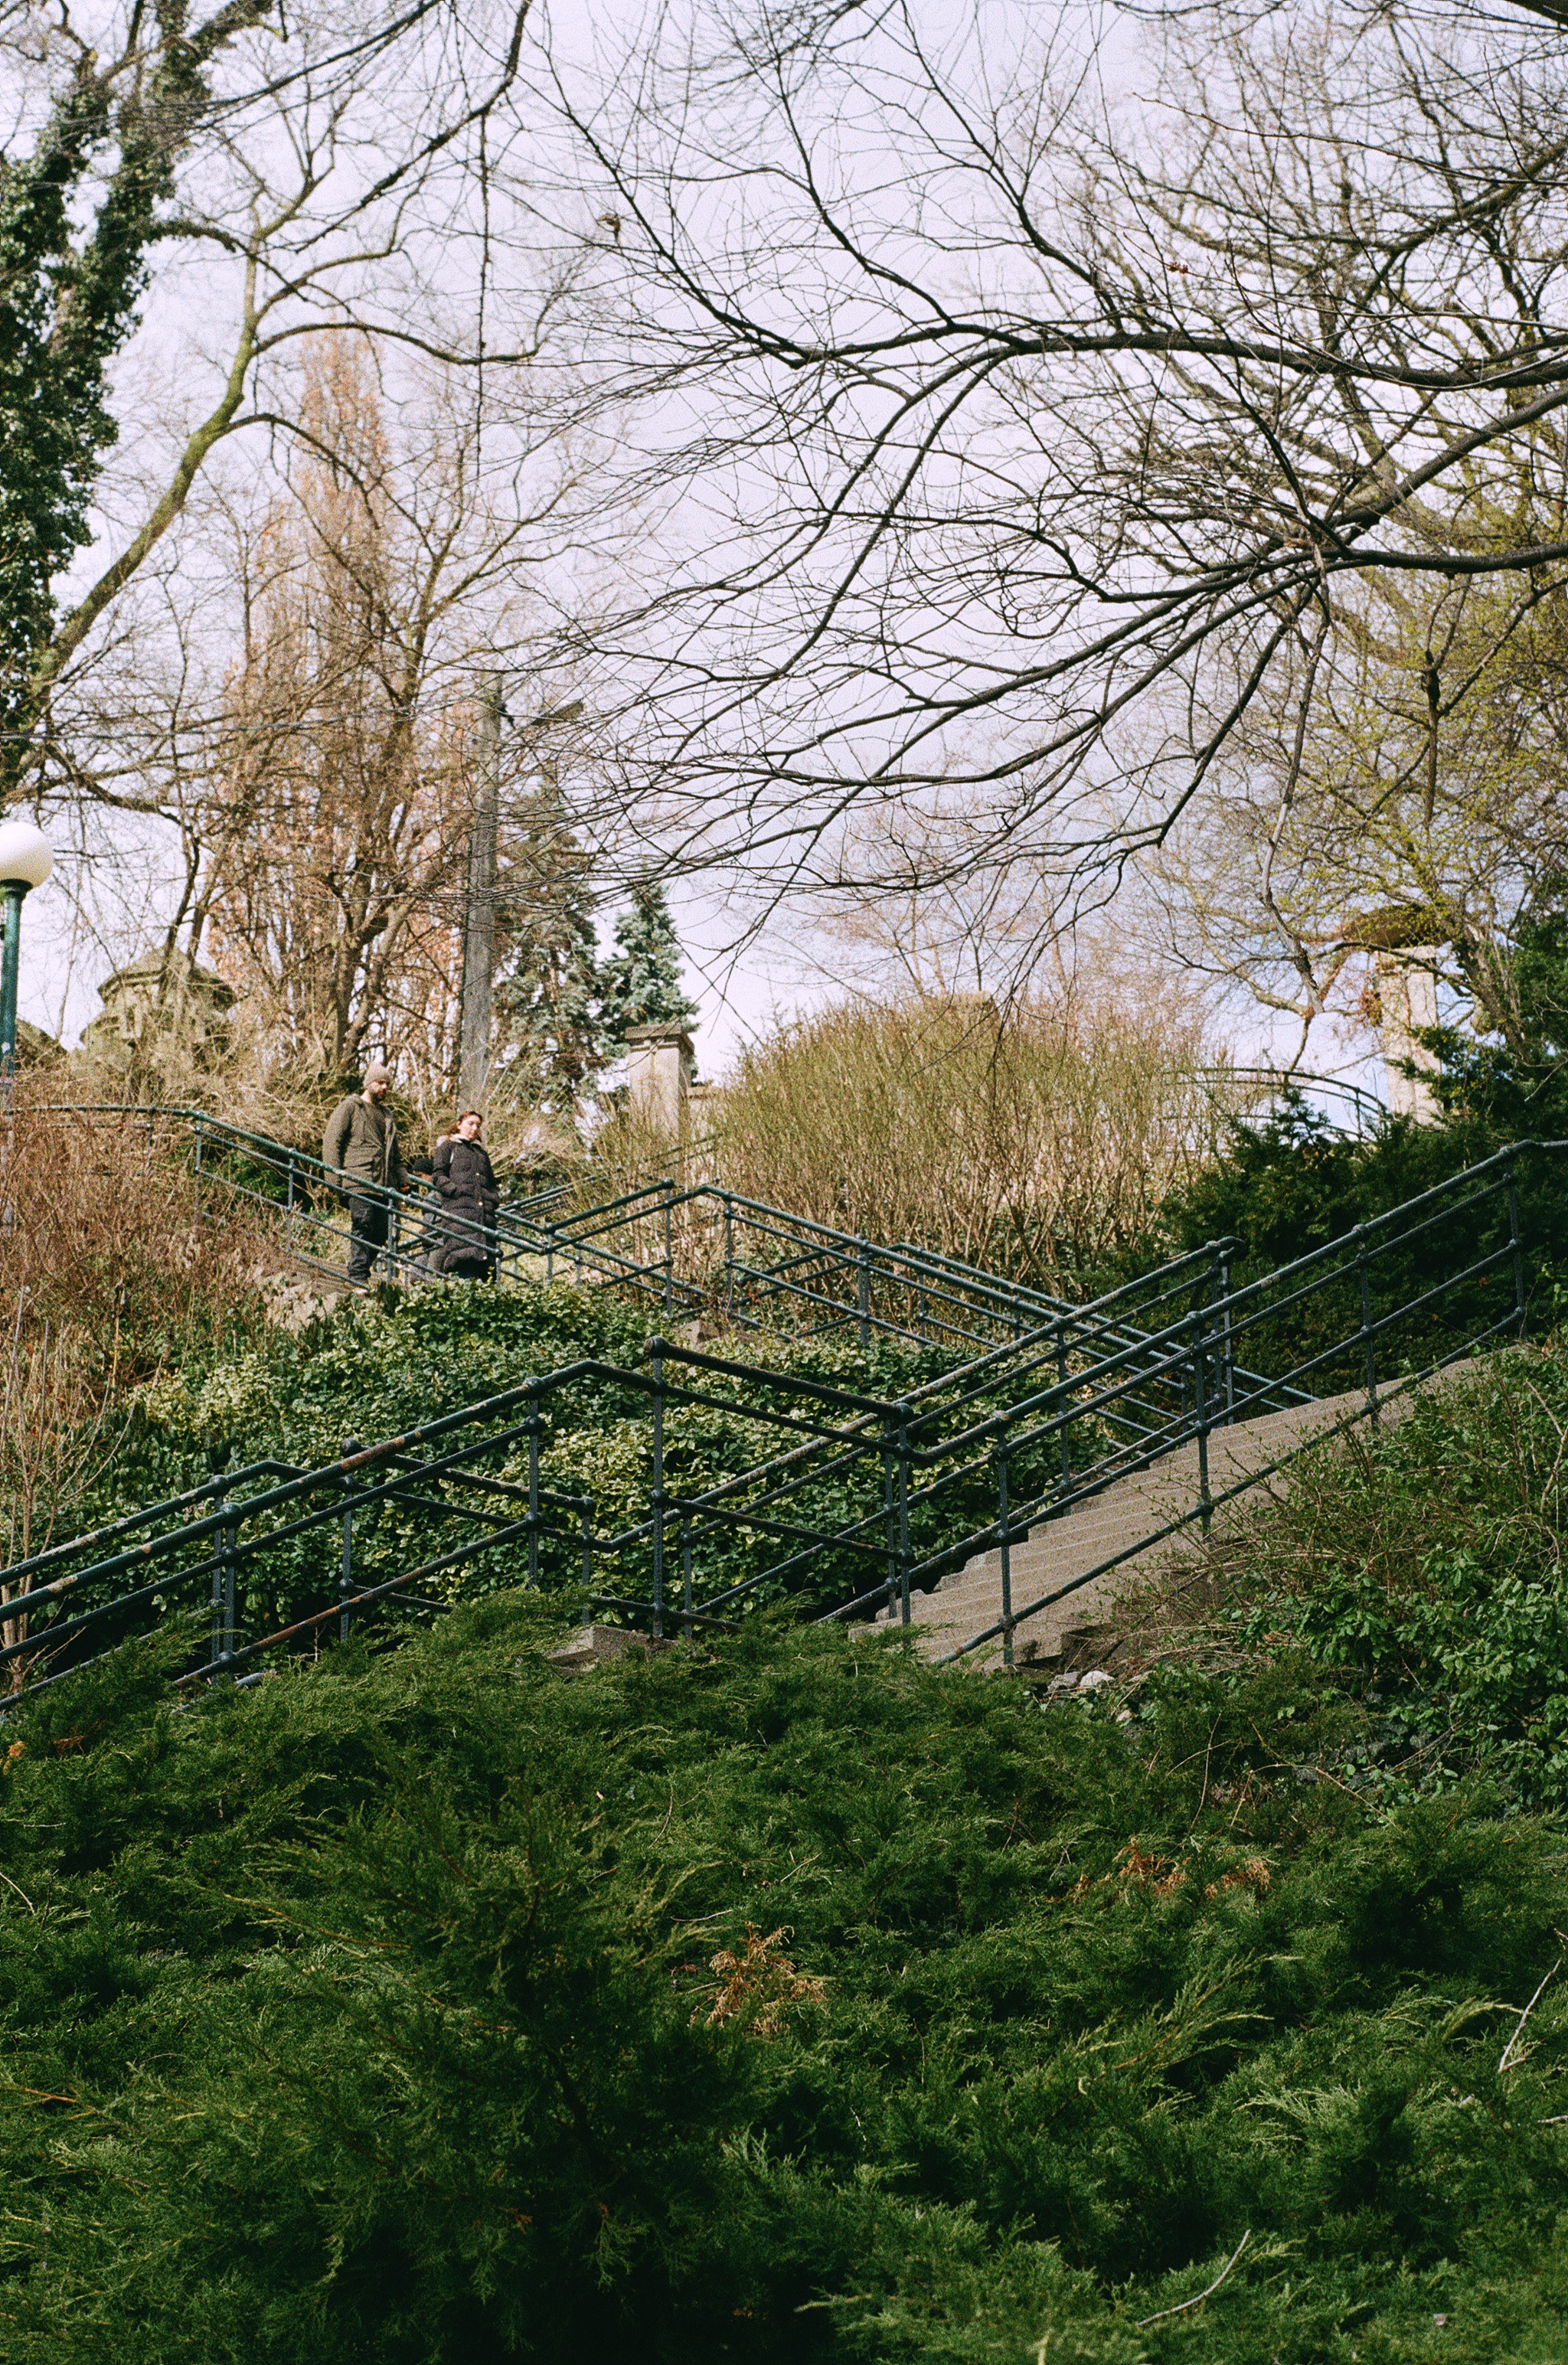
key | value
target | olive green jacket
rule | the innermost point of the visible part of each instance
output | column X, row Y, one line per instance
column 361, row 1143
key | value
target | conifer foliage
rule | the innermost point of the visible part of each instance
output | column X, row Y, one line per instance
column 789, row 2001
column 561, row 1006
column 547, row 996
column 640, row 983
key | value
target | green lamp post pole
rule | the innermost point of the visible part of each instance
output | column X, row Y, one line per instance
column 24, row 863
column 10, row 964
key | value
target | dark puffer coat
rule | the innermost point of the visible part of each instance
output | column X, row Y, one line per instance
column 464, row 1241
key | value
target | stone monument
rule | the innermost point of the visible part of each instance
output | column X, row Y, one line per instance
column 1408, row 992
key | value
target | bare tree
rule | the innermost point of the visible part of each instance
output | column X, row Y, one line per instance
column 1042, row 438
column 1423, row 814
column 327, row 838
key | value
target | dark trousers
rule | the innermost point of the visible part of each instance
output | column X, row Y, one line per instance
column 367, row 1233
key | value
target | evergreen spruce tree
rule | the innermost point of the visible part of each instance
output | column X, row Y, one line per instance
column 640, row 983
column 547, row 998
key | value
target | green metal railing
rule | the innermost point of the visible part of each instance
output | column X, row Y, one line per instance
column 847, row 1506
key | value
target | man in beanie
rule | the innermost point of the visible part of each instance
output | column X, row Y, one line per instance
column 361, row 1154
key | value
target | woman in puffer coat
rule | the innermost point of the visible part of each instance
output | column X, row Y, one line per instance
column 464, row 1241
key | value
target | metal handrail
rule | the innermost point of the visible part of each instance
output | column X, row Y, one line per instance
column 1118, row 1397
column 216, row 1527
column 954, row 1296
column 1367, row 1108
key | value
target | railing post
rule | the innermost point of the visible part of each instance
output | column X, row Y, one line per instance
column 658, row 1489
column 863, row 1290
column 588, row 1563
column 1004, row 1544
column 903, row 1513
column 222, row 1588
column 1521, row 1304
column 231, row 1572
column 728, row 1257
column 1200, row 1411
column 532, row 1426
column 669, row 1247
column 1061, row 1410
column 1228, row 1337
column 685, row 1572
column 345, row 1565
column 889, row 1511
column 1368, row 1343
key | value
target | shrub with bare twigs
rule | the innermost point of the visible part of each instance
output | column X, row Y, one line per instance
column 56, row 1441
column 111, row 1273
column 1037, row 1142
column 104, row 1245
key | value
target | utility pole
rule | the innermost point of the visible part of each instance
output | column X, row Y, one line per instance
column 479, row 905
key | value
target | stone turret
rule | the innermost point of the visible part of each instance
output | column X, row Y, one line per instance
column 159, row 997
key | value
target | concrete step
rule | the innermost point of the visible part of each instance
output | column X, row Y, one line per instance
column 1127, row 1518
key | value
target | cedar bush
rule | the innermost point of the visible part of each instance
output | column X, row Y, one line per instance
column 1290, row 1184
column 788, row 2001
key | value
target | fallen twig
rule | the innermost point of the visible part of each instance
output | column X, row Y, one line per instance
column 1506, row 2053
column 1197, row 2299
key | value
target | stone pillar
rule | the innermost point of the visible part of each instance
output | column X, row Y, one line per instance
column 1408, row 990
column 661, row 1064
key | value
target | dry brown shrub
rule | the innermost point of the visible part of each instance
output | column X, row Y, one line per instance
column 55, row 1441
column 1252, row 1874
column 1138, row 1868
column 761, row 1984
column 109, row 1272
column 1155, row 1872
column 1037, row 1141
column 103, row 1247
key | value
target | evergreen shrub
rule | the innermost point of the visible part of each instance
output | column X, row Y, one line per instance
column 791, row 2000
column 1421, row 1571
column 373, row 1369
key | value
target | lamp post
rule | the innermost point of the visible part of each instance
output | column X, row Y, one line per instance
column 26, row 862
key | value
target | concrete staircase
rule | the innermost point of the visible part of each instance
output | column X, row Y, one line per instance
column 1126, row 1518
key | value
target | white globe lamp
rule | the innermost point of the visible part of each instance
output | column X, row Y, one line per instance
column 25, row 858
